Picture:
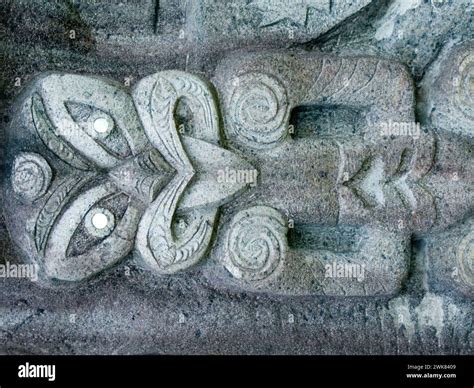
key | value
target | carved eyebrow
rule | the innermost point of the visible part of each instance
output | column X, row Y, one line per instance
column 53, row 207
column 48, row 136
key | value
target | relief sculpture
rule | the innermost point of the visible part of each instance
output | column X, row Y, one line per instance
column 290, row 177
column 97, row 173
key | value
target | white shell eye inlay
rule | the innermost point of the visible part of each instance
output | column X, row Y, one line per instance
column 100, row 222
column 101, row 125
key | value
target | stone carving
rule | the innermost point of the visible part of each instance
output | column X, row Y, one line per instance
column 31, row 176
column 464, row 86
column 118, row 185
column 296, row 12
column 285, row 21
column 303, row 184
column 259, row 110
column 53, row 207
column 450, row 260
column 386, row 185
column 447, row 89
column 256, row 243
column 330, row 215
column 156, row 98
column 465, row 259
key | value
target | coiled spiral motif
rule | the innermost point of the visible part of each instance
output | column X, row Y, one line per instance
column 31, row 175
column 256, row 243
column 259, row 110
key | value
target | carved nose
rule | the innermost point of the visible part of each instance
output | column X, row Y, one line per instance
column 143, row 177
column 220, row 175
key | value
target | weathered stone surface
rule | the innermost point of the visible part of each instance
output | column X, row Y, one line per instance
column 238, row 23
column 184, row 179
column 451, row 259
column 448, row 89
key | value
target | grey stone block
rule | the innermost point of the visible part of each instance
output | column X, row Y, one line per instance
column 236, row 177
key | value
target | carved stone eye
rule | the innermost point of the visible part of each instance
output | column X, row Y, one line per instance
column 99, row 222
column 102, row 124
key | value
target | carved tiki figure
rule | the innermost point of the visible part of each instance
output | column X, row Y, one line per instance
column 96, row 174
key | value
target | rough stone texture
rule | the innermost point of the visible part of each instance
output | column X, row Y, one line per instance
column 273, row 177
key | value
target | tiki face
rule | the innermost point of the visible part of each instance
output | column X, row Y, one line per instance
column 92, row 181
column 97, row 173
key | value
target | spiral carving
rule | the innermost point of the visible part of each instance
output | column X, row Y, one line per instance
column 259, row 110
column 464, row 87
column 256, row 243
column 31, row 175
column 465, row 259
